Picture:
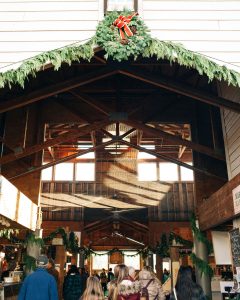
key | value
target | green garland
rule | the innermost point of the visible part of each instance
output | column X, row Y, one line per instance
column 202, row 265
column 107, row 37
column 8, row 232
column 142, row 252
column 70, row 243
column 199, row 235
column 29, row 262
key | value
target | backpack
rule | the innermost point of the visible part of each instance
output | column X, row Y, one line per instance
column 144, row 291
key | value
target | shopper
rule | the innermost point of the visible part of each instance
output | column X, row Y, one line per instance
column 39, row 285
column 93, row 290
column 72, row 285
column 185, row 287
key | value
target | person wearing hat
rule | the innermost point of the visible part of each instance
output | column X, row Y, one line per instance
column 39, row 285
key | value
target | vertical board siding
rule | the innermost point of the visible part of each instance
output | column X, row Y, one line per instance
column 211, row 28
column 231, row 131
column 28, row 28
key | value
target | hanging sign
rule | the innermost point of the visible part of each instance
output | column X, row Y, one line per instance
column 236, row 199
column 235, row 245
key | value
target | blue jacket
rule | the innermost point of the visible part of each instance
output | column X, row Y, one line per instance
column 39, row 286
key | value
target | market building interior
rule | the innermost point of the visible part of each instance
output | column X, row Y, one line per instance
column 120, row 154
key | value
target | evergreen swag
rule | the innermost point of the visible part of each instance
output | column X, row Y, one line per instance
column 107, row 37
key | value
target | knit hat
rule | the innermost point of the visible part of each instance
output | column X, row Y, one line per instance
column 42, row 260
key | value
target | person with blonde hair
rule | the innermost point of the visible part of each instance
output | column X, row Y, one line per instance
column 126, row 287
column 149, row 281
column 93, row 290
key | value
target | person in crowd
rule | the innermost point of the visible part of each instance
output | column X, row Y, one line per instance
column 40, row 284
column 84, row 277
column 132, row 273
column 103, row 280
column 96, row 274
column 185, row 287
column 93, row 290
column 126, row 288
column 110, row 275
column 113, row 283
column 72, row 285
column 166, row 275
column 149, row 281
column 51, row 269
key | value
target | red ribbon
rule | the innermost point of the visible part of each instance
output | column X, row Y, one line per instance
column 122, row 23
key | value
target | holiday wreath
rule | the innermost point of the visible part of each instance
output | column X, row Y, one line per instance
column 122, row 35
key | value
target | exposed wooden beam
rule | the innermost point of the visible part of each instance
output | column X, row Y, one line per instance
column 63, row 159
column 56, row 88
column 179, row 141
column 172, row 160
column 55, row 141
column 127, row 133
column 92, row 102
column 181, row 89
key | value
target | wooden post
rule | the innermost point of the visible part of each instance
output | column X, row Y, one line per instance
column 159, row 268
column 174, row 256
column 60, row 259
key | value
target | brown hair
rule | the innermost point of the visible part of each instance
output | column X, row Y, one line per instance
column 93, row 290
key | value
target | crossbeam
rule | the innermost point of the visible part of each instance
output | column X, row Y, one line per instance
column 55, row 141
column 172, row 138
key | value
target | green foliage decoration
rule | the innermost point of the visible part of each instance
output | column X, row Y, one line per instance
column 107, row 37
column 179, row 240
column 29, row 262
column 199, row 235
column 32, row 239
column 202, row 265
column 139, row 45
column 8, row 232
column 162, row 248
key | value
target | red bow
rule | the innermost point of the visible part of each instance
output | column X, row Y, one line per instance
column 122, row 23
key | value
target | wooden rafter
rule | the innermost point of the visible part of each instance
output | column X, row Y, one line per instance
column 181, row 89
column 55, row 141
column 172, row 160
column 178, row 140
column 56, row 88
column 92, row 102
column 66, row 158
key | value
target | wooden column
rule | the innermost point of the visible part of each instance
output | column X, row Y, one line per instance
column 60, row 259
column 174, row 256
column 159, row 268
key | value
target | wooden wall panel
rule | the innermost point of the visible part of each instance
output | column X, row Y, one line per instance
column 218, row 208
column 231, row 131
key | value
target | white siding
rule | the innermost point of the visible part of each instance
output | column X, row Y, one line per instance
column 231, row 131
column 29, row 27
column 208, row 27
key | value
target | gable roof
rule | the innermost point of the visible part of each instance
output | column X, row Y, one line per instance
column 142, row 44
